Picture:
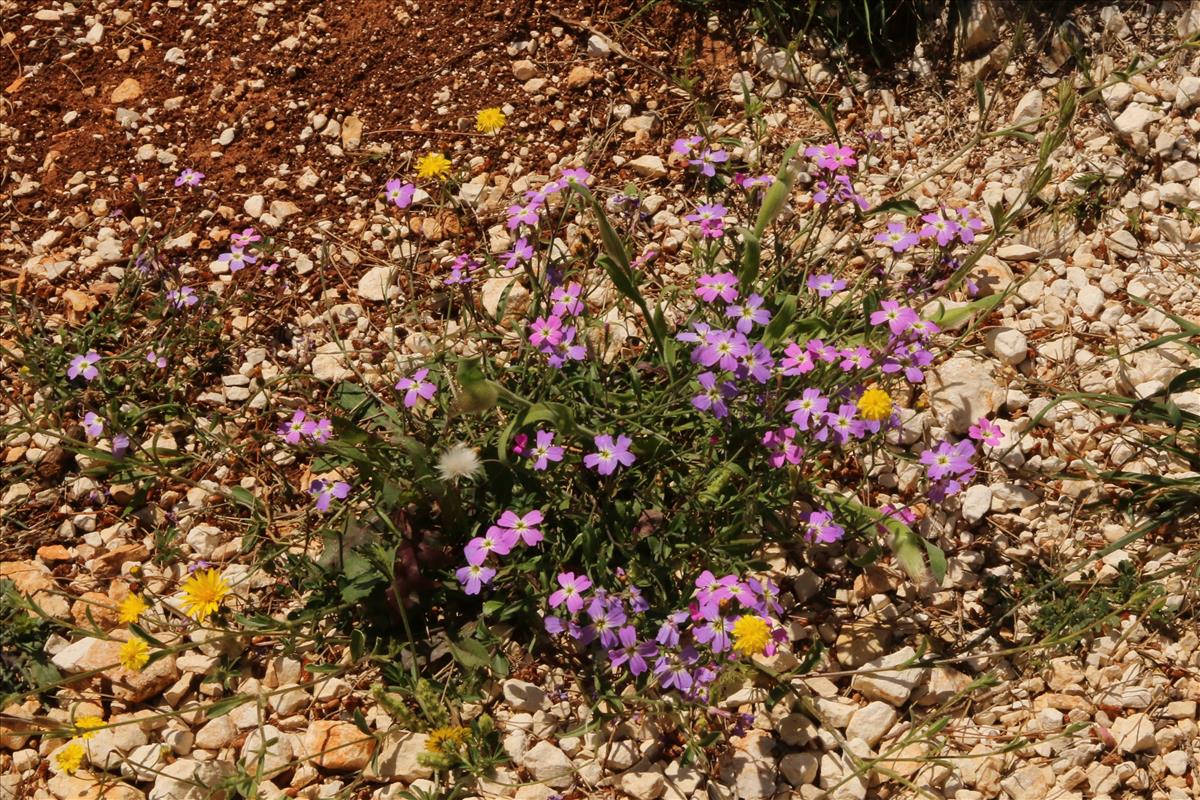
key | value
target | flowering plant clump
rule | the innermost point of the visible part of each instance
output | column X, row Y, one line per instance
column 610, row 454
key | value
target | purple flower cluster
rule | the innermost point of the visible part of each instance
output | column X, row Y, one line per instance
column 699, row 155
column 301, row 427
column 949, row 468
column 689, row 647
column 536, row 200
column 553, row 334
column 834, row 184
column 238, row 258
column 461, row 269
column 183, row 297
column 509, row 530
column 711, row 218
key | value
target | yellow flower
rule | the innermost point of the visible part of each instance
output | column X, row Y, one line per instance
column 433, row 165
column 203, row 593
column 443, row 739
column 131, row 608
column 875, row 404
column 70, row 758
column 490, row 120
column 134, row 654
column 751, row 634
column 88, row 726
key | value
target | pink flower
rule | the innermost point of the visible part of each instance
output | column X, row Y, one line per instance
column 987, row 432
column 524, row 527
column 474, row 577
column 610, row 454
column 416, row 388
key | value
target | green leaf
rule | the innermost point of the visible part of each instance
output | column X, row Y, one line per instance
column 949, row 318
column 358, row 643
column 777, row 327
column 226, row 704
column 937, row 561
column 360, row 722
column 471, row 654
column 895, row 206
column 478, row 393
column 907, row 547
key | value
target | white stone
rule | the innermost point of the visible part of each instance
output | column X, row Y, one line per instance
column 399, row 757
column 1176, row 762
column 188, row 779
column 1007, row 344
column 548, row 764
column 216, row 734
column 254, row 205
column 523, row 696
column 376, row 283
column 1090, row 300
column 963, row 389
column 644, row 784
column 799, row 769
column 871, row 722
column 890, row 685
column 976, row 502
column 1135, row 118
column 649, row 166
column 1018, row 252
column 267, row 751
column 1029, row 108
column 1134, row 733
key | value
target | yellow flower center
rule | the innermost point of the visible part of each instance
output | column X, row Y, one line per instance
column 875, row 404
column 751, row 635
column 88, row 726
column 70, row 758
column 131, row 608
column 442, row 740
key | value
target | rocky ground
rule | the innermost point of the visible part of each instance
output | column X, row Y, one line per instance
column 298, row 114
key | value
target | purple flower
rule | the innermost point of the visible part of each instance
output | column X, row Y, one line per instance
column 749, row 313
column 571, row 593
column 474, row 577
column 907, row 356
column 707, row 161
column 400, row 194
column 416, row 388
column 156, row 360
column 898, row 318
column 237, row 259
column 183, row 297
column 545, row 331
column 684, row 147
column 749, row 182
column 84, row 366
column 292, row 431
column 120, row 445
column 723, row 285
column 782, row 448
column 496, row 540
column 544, row 450
column 521, row 251
column 797, row 360
column 93, row 425
column 523, row 527
column 756, row 364
column 190, row 178
column 809, row 407
column 987, row 432
column 940, row 228
column 631, row 652
column 897, row 237
column 842, row 425
column 247, row 237
column 840, row 191
column 320, row 431
column 713, row 395
column 711, row 218
column 855, row 358
column 610, row 454
column 714, row 633
column 607, row 617
column 567, row 301
column 820, row 527
column 668, row 632
column 948, row 460
column 672, row 670
column 519, row 215
column 968, row 225
column 825, row 285
column 326, row 492
column 723, row 348
column 566, row 350
column 831, row 156
column 461, row 269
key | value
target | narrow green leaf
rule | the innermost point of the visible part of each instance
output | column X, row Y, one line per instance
column 895, row 206
column 358, row 643
column 226, row 704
